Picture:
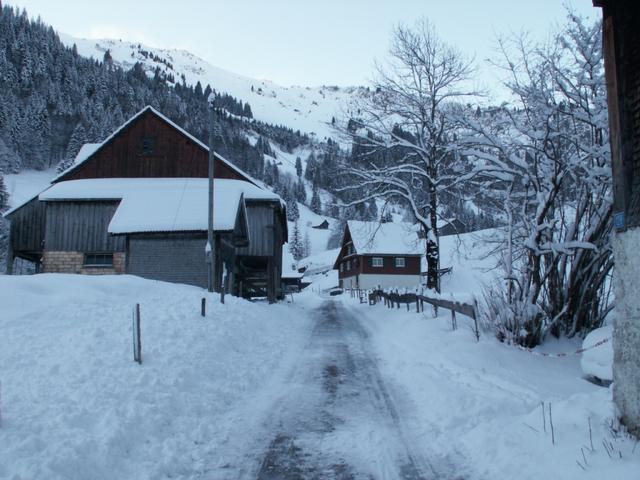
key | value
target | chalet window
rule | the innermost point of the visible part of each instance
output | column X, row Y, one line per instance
column 400, row 262
column 148, row 145
column 348, row 264
column 377, row 262
column 98, row 260
column 342, row 267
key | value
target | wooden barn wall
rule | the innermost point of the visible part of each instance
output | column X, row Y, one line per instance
column 175, row 155
column 622, row 61
column 27, row 227
column 261, row 219
column 81, row 227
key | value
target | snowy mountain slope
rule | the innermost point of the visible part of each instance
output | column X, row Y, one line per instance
column 307, row 109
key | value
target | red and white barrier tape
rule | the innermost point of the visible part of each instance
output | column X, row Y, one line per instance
column 567, row 354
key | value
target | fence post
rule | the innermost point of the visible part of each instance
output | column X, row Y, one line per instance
column 417, row 304
column 203, row 307
column 407, row 299
column 137, row 341
column 475, row 319
column 454, row 323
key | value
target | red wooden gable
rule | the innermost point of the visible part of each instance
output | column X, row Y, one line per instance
column 150, row 145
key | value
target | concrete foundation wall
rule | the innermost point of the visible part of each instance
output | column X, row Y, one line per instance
column 369, row 281
column 626, row 331
column 72, row 262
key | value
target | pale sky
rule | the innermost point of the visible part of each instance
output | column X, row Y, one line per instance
column 296, row 42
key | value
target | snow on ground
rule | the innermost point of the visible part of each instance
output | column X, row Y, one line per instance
column 320, row 262
column 469, row 255
column 317, row 238
column 477, row 406
column 598, row 362
column 27, row 184
column 76, row 406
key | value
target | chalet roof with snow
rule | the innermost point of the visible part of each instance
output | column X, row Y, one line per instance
column 392, row 238
column 162, row 204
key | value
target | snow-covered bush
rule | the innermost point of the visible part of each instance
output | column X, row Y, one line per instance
column 546, row 164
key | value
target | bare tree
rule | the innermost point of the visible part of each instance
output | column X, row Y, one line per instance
column 403, row 134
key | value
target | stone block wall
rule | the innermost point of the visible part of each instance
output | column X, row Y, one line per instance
column 72, row 262
column 626, row 330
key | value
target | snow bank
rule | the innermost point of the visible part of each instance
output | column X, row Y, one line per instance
column 76, row 406
column 598, row 362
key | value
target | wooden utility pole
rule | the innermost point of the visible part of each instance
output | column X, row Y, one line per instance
column 211, row 265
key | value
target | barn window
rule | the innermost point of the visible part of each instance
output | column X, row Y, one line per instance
column 400, row 262
column 377, row 262
column 148, row 145
column 98, row 260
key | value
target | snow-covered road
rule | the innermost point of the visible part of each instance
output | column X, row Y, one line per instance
column 336, row 418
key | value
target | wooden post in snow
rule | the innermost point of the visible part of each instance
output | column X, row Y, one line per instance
column 137, row 341
column 203, row 307
column 209, row 251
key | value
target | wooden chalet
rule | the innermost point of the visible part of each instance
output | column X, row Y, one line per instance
column 621, row 49
column 383, row 255
column 137, row 203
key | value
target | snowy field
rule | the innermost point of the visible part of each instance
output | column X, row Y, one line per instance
column 76, row 406
column 214, row 394
column 27, row 184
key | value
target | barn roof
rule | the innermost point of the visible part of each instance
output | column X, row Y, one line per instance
column 162, row 204
column 89, row 149
column 392, row 238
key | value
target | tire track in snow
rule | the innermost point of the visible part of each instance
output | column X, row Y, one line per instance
column 337, row 418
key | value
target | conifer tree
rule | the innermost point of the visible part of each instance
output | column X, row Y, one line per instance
column 316, row 204
column 298, row 167
column 296, row 247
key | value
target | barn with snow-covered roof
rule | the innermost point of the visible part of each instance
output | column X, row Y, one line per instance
column 379, row 254
column 137, row 203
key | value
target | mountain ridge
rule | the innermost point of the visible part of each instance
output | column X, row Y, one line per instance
column 308, row 109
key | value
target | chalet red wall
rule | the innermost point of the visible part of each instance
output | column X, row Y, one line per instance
column 175, row 155
column 412, row 266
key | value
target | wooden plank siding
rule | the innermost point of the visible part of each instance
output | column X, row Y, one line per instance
column 81, row 227
column 27, row 229
column 261, row 218
column 174, row 155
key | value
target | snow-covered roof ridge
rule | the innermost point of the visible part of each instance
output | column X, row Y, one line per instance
column 392, row 238
column 92, row 148
column 162, row 204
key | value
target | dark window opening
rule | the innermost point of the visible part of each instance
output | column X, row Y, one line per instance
column 98, row 260
column 148, row 145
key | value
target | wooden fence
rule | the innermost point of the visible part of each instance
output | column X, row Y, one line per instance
column 395, row 299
